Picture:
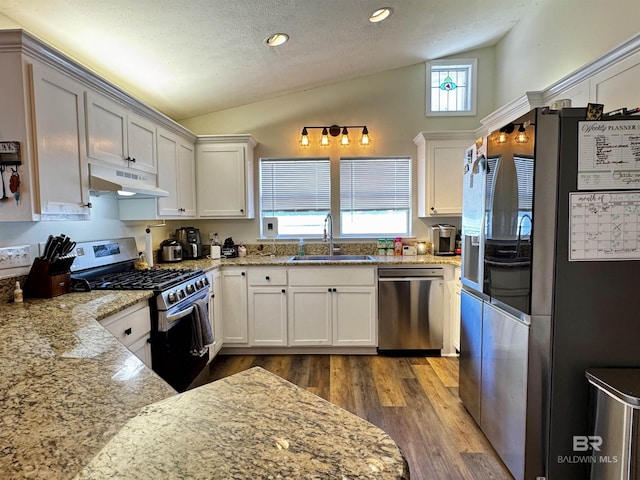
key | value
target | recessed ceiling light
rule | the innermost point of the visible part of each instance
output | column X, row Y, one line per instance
column 276, row 39
column 380, row 14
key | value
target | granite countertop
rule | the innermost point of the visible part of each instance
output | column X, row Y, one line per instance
column 283, row 260
column 252, row 425
column 66, row 384
column 74, row 399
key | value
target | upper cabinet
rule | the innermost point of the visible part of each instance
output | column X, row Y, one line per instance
column 440, row 163
column 119, row 136
column 177, row 175
column 43, row 113
column 224, row 167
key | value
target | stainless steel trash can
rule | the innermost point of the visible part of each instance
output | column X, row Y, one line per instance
column 613, row 446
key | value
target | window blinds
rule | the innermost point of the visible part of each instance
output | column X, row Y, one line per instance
column 295, row 185
column 368, row 184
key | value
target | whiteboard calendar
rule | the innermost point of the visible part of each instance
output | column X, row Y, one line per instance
column 604, row 226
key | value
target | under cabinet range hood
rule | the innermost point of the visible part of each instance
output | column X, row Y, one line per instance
column 124, row 182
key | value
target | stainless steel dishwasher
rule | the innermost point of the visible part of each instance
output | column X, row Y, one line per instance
column 410, row 308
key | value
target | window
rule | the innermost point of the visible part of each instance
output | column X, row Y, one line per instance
column 451, row 87
column 297, row 192
column 375, row 196
column 524, row 173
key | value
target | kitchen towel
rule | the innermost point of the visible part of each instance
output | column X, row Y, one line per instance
column 201, row 334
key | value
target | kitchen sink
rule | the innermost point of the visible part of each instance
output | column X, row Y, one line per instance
column 332, row 258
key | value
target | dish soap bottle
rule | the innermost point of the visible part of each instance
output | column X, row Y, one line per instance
column 17, row 294
column 301, row 248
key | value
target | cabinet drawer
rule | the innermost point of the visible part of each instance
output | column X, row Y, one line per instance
column 319, row 276
column 267, row 276
column 129, row 326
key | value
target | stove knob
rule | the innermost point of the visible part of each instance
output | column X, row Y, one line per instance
column 205, row 280
column 181, row 294
column 172, row 297
column 199, row 284
column 190, row 289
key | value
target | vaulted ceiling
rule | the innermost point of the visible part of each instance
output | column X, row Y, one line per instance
column 191, row 57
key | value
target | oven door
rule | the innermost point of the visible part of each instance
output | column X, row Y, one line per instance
column 171, row 356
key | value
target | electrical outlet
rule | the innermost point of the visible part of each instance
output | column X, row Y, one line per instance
column 211, row 235
column 12, row 257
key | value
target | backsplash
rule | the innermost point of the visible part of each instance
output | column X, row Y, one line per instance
column 8, row 285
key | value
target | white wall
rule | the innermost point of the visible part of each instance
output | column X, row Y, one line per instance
column 561, row 37
column 391, row 104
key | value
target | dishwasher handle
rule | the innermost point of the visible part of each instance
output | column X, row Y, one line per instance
column 387, row 274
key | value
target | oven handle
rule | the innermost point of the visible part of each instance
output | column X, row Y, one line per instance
column 187, row 311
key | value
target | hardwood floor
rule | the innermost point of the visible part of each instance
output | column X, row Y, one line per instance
column 413, row 399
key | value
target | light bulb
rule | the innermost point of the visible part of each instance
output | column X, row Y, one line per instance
column 304, row 139
column 324, row 141
column 345, row 137
column 522, row 137
column 364, row 140
column 502, row 137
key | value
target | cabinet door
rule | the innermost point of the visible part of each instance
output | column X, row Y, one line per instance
column 215, row 312
column 168, row 174
column 440, row 172
column 142, row 350
column 309, row 316
column 268, row 316
column 63, row 182
column 354, row 316
column 234, row 306
column 141, row 143
column 221, row 181
column 106, row 130
column 187, row 178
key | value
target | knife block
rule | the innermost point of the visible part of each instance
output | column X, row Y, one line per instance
column 41, row 283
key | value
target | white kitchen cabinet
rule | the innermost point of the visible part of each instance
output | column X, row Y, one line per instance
column 132, row 328
column 224, row 167
column 267, row 306
column 353, row 315
column 119, row 136
column 332, row 306
column 310, row 316
column 234, row 306
column 62, row 171
column 177, row 175
column 215, row 311
column 440, row 164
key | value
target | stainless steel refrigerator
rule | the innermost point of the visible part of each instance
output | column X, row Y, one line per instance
column 547, row 290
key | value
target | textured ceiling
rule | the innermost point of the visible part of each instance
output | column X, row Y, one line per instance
column 191, row 57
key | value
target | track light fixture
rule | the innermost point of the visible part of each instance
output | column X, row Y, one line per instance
column 334, row 131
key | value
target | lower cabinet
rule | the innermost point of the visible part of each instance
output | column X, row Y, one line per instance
column 234, row 306
column 215, row 311
column 132, row 328
column 332, row 306
column 267, row 316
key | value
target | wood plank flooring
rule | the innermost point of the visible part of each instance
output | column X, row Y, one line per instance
column 413, row 399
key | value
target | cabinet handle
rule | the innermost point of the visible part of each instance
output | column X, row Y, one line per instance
column 243, row 274
column 127, row 331
column 242, row 210
column 88, row 205
column 149, row 340
column 433, row 209
column 334, row 290
column 329, row 290
column 267, row 277
column 284, row 291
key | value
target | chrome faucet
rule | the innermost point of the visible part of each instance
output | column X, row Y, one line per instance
column 328, row 237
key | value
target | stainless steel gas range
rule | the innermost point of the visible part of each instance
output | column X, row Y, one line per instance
column 179, row 303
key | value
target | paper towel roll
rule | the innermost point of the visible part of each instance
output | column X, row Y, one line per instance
column 148, row 248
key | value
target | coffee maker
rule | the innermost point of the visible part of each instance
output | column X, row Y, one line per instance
column 443, row 238
column 191, row 242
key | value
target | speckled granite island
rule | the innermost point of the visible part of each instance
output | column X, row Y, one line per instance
column 76, row 402
column 252, row 425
